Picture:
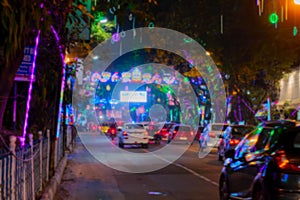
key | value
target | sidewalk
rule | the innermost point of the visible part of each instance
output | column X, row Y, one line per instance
column 86, row 178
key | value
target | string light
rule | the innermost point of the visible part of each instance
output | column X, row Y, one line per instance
column 62, row 82
column 30, row 88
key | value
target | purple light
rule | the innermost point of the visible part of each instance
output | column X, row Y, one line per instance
column 30, row 88
column 41, row 5
column 295, row 111
column 248, row 106
column 62, row 82
column 250, row 109
column 116, row 37
column 239, row 107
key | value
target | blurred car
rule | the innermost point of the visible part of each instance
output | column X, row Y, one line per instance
column 160, row 131
column 215, row 130
column 264, row 165
column 133, row 134
column 104, row 126
column 182, row 133
column 230, row 138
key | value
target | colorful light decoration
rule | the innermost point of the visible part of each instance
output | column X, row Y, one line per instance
column 273, row 18
column 115, row 37
column 295, row 31
column 151, row 25
column 62, row 81
column 30, row 89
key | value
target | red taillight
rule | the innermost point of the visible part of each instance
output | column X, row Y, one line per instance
column 125, row 133
column 234, row 142
column 284, row 163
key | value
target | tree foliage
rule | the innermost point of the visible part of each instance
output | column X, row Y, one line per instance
column 251, row 52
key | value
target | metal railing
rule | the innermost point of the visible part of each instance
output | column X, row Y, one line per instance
column 24, row 172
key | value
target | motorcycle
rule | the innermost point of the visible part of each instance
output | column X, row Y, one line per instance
column 112, row 132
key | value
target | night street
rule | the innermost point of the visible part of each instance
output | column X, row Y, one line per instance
column 149, row 99
column 187, row 178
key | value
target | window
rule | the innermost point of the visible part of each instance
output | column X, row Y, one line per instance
column 262, row 140
column 254, row 141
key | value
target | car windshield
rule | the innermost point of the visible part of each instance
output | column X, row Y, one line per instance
column 134, row 126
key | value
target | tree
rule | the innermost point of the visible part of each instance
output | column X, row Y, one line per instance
column 249, row 50
column 20, row 22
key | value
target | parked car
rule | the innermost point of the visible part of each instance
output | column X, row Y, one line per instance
column 133, row 134
column 264, row 165
column 230, row 138
column 182, row 133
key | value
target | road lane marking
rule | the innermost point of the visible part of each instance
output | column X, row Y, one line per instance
column 185, row 168
column 196, row 174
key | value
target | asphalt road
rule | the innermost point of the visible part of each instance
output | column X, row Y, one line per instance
column 188, row 177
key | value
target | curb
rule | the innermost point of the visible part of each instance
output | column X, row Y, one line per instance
column 50, row 190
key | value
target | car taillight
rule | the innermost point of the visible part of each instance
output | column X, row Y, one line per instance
column 284, row 163
column 125, row 133
column 234, row 142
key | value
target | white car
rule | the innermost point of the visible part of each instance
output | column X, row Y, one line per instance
column 133, row 134
column 216, row 130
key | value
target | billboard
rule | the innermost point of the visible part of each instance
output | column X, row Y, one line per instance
column 24, row 72
column 133, row 96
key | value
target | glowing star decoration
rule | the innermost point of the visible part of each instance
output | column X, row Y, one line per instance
column 273, row 18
